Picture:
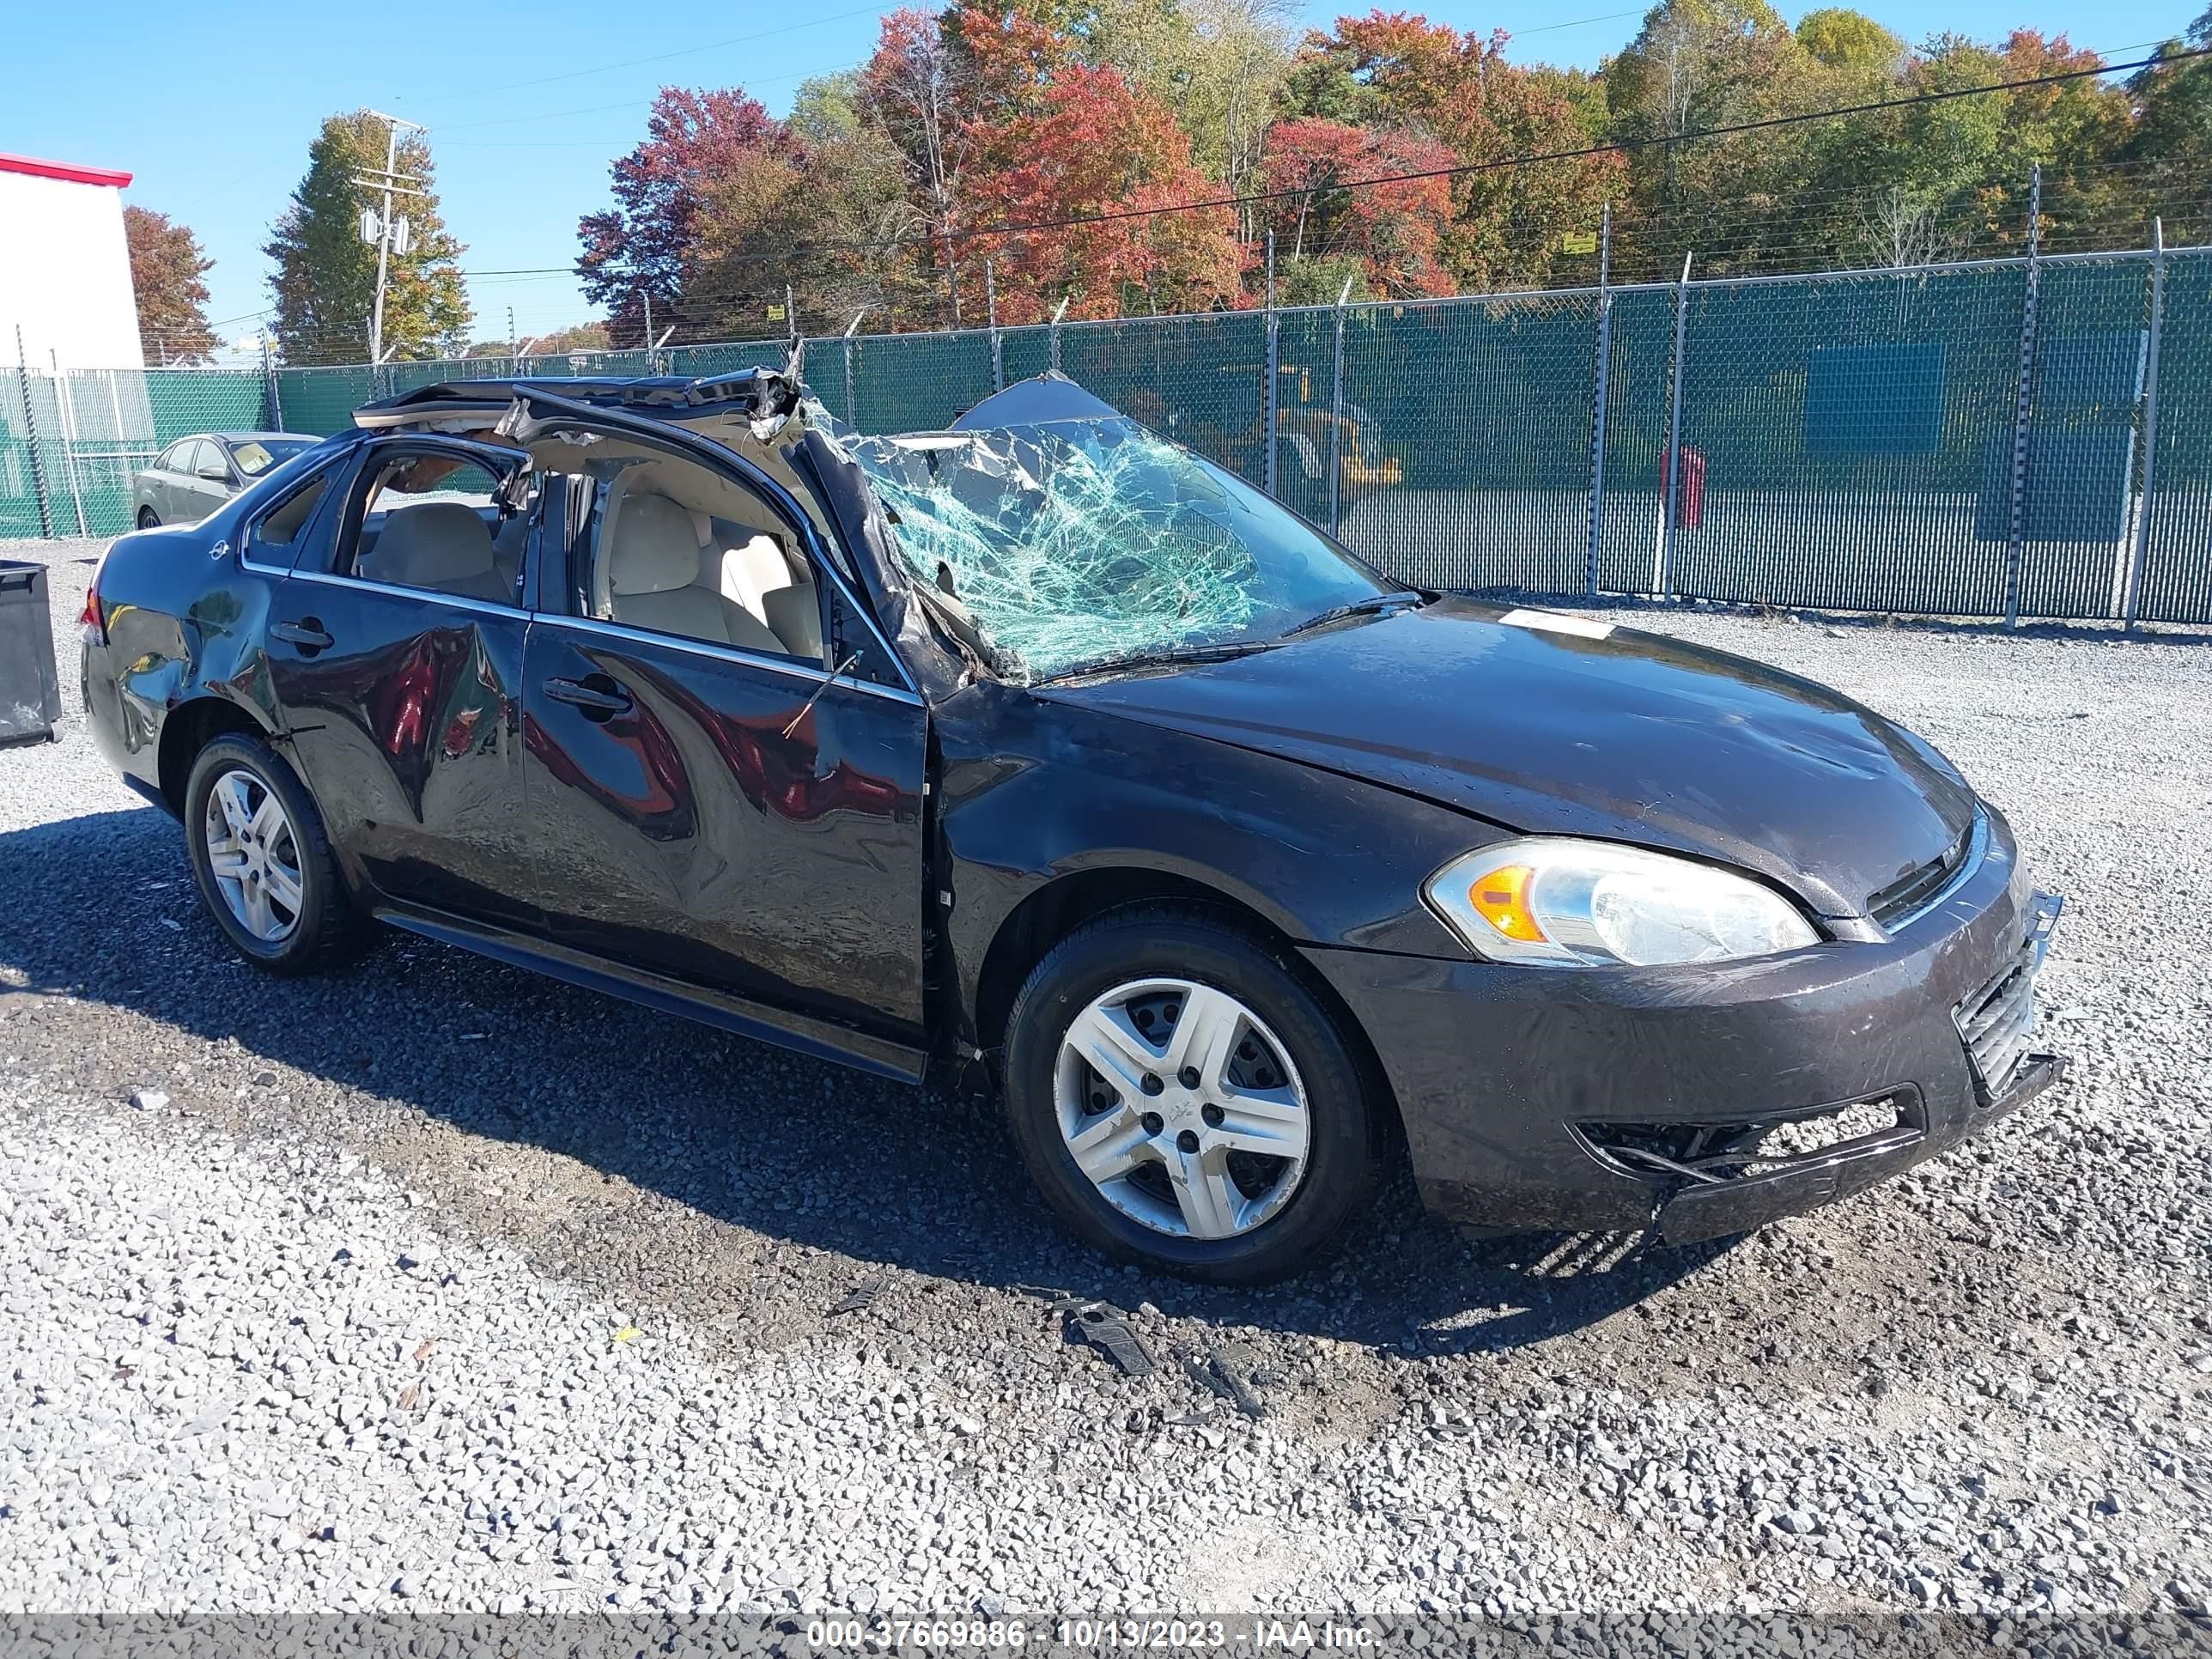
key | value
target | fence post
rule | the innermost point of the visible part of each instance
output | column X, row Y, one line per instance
column 998, row 345
column 2150, row 425
column 30, row 440
column 65, row 405
column 1059, row 312
column 1270, row 369
column 1336, row 421
column 1663, row 564
column 1597, row 416
column 852, row 397
column 2023, row 401
column 270, row 388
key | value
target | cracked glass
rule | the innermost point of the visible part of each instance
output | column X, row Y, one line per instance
column 1085, row 543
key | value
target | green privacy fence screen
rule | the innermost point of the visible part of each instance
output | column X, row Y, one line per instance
column 2001, row 439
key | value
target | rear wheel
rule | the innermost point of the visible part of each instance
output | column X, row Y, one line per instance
column 147, row 519
column 1184, row 1101
column 263, row 866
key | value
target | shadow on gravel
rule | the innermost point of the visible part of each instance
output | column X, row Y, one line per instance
column 709, row 1128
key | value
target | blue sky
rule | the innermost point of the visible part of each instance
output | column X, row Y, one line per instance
column 212, row 106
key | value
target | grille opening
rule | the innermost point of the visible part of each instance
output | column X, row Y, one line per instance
column 1920, row 884
column 1996, row 1022
column 1706, row 1153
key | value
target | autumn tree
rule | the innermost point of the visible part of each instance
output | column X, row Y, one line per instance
column 714, row 168
column 1393, row 231
column 1074, row 156
column 324, row 281
column 1218, row 66
column 166, row 269
column 873, row 257
column 1390, row 69
column 920, row 89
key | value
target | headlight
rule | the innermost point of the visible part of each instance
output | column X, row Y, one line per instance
column 1582, row 903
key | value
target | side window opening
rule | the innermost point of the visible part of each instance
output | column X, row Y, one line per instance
column 436, row 521
column 659, row 542
column 280, row 527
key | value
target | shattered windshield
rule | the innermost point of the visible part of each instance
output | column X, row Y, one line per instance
column 1083, row 542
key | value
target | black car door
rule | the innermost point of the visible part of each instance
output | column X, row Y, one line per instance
column 396, row 647
column 707, row 800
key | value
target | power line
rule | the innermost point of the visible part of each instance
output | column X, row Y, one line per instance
column 1462, row 170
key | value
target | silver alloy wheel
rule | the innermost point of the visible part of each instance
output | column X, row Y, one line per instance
column 1182, row 1109
column 253, row 855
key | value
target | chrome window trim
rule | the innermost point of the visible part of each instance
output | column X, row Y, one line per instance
column 1978, row 848
column 797, row 667
column 489, row 607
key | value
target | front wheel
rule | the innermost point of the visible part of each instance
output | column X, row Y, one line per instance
column 147, row 520
column 262, row 864
column 1184, row 1101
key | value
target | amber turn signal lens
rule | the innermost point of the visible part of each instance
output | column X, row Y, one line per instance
column 1501, row 898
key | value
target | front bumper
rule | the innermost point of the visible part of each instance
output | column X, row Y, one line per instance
column 1537, row 1099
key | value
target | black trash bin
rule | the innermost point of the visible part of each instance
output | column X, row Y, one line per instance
column 30, row 694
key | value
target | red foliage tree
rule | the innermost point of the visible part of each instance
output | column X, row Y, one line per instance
column 1393, row 70
column 1395, row 230
column 1055, row 139
column 698, row 146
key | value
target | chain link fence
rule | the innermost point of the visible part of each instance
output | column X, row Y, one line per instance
column 2022, row 438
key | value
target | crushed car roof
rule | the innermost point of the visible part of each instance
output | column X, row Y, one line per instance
column 670, row 391
column 1045, row 398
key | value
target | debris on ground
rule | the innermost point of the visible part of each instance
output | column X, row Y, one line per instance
column 149, row 1100
column 1107, row 1330
column 861, row 1297
column 1221, row 1373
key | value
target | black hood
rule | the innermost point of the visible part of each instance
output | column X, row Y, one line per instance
column 1630, row 737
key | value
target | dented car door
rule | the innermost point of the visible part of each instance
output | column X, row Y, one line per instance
column 396, row 646
column 708, row 801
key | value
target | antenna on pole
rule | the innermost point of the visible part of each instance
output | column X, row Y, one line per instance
column 391, row 236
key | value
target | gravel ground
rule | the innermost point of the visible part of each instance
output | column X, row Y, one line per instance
column 442, row 1285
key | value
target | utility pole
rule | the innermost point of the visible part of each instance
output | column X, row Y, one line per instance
column 387, row 232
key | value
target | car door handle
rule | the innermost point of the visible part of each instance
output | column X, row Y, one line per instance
column 599, row 701
column 306, row 634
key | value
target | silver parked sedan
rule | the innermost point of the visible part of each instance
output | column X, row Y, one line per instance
column 194, row 475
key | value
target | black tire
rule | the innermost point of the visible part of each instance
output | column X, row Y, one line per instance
column 147, row 519
column 329, row 931
column 1349, row 1118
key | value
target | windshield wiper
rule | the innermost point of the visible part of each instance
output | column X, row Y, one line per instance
column 1158, row 655
column 1374, row 606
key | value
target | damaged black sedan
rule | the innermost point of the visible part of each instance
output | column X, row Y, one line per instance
column 1042, row 753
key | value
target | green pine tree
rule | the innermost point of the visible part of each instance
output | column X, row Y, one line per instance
column 325, row 277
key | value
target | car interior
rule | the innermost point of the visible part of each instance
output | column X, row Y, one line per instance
column 430, row 522
column 658, row 541
column 654, row 540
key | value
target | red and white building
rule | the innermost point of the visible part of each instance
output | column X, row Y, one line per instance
column 65, row 275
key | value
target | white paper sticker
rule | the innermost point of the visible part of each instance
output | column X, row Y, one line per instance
column 1555, row 622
